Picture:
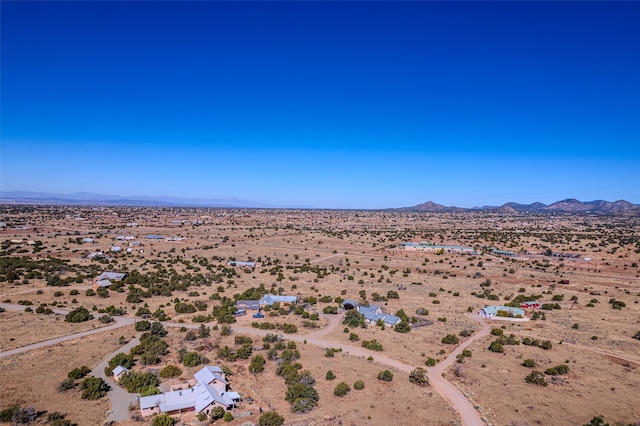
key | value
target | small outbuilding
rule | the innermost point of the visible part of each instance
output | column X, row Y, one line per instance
column 118, row 372
column 349, row 304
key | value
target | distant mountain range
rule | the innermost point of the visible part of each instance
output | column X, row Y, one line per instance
column 570, row 205
column 87, row 198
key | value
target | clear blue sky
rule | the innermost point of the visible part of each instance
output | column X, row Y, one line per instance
column 323, row 104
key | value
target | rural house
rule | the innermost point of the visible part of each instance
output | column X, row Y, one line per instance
column 492, row 312
column 373, row 313
column 209, row 392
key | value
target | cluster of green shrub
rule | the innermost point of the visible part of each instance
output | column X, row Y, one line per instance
column 191, row 359
column 143, row 383
column 536, row 378
column 330, row 352
column 284, row 327
column 545, row 344
column 373, row 344
column 558, row 370
column 79, row 314
column 550, row 306
column 617, row 304
column 151, row 346
column 300, row 393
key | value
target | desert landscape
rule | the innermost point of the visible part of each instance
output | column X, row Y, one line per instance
column 429, row 358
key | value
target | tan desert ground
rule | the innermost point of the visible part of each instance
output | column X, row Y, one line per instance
column 583, row 270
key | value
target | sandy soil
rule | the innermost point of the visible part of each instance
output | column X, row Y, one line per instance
column 364, row 246
column 32, row 378
column 19, row 329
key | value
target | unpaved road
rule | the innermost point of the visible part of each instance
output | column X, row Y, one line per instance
column 456, row 398
column 120, row 399
column 468, row 414
column 119, row 322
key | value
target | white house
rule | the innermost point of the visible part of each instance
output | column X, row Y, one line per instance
column 210, row 392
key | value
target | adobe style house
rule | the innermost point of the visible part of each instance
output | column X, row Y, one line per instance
column 209, row 392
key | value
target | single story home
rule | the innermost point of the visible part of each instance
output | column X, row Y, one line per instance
column 249, row 306
column 270, row 299
column 501, row 311
column 209, row 392
column 95, row 255
column 113, row 276
column 245, row 265
column 373, row 313
column 101, row 283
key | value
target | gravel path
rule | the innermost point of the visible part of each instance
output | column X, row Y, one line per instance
column 120, row 398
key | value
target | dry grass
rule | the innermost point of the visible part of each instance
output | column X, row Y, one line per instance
column 19, row 329
column 32, row 378
column 360, row 244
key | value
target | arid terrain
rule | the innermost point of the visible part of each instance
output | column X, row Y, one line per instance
column 582, row 269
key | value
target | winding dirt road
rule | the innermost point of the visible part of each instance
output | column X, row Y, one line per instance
column 120, row 399
column 469, row 416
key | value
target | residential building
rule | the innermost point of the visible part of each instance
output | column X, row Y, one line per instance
column 270, row 299
column 210, row 391
column 373, row 314
column 113, row 276
column 501, row 311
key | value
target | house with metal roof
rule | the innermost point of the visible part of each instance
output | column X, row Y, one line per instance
column 118, row 372
column 113, row 276
column 501, row 311
column 209, row 392
column 504, row 253
column 212, row 375
column 373, row 313
column 102, row 283
column 270, row 299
